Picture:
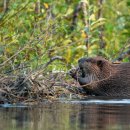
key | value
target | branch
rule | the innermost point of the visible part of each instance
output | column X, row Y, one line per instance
column 53, row 59
column 122, row 53
column 9, row 17
column 40, row 69
column 122, row 56
column 101, row 29
column 84, row 6
column 86, row 15
column 75, row 15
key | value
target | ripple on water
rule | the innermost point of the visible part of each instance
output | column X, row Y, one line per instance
column 99, row 101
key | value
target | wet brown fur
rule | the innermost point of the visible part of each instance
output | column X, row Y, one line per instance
column 100, row 77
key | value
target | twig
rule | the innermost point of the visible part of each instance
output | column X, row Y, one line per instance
column 40, row 69
column 101, row 29
column 122, row 56
column 86, row 15
column 8, row 18
column 53, row 59
column 21, row 49
column 84, row 6
column 75, row 15
column 5, row 8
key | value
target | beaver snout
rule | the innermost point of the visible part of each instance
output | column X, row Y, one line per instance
column 83, row 63
column 82, row 60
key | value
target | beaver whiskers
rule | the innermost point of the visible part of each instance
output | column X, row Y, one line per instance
column 93, row 81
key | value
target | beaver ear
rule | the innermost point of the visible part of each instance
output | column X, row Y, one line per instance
column 100, row 63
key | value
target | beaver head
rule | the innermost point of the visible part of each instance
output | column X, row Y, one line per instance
column 93, row 69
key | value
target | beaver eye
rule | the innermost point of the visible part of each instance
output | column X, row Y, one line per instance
column 100, row 63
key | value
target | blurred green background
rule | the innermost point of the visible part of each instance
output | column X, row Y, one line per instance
column 34, row 31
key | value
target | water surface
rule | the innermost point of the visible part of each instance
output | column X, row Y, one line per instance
column 88, row 114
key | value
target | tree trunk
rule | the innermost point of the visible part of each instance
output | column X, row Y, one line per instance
column 101, row 29
column 37, row 7
column 5, row 5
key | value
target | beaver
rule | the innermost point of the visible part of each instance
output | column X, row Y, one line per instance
column 100, row 77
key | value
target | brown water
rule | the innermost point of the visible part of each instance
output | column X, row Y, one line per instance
column 68, row 115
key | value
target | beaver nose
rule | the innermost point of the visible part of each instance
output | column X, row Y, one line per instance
column 82, row 60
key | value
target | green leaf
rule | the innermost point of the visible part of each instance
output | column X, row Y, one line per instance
column 98, row 23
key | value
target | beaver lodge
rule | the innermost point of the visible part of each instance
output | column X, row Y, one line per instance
column 29, row 89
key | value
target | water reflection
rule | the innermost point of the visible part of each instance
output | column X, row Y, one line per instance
column 66, row 116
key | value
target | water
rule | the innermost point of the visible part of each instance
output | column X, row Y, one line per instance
column 88, row 114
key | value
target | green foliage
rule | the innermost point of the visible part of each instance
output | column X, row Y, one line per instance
column 31, row 38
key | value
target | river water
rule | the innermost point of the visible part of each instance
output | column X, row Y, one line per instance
column 87, row 114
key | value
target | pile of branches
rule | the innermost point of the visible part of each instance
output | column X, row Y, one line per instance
column 26, row 89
